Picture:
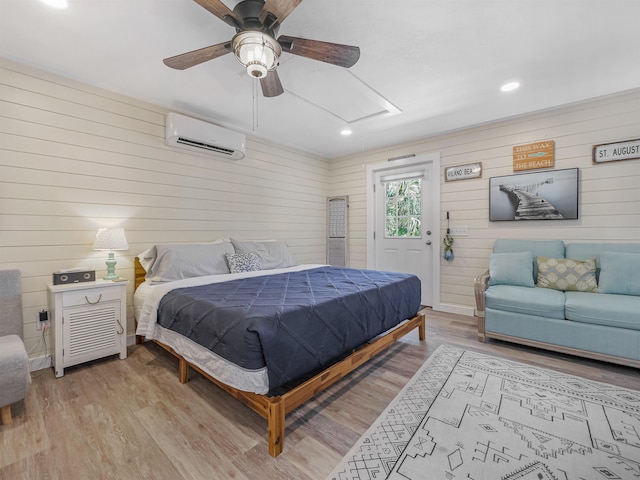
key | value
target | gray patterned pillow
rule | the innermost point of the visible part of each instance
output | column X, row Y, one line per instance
column 567, row 274
column 243, row 262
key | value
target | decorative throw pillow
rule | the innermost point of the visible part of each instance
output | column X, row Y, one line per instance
column 620, row 273
column 511, row 269
column 243, row 262
column 567, row 274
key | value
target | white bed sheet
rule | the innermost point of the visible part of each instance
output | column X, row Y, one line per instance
column 146, row 300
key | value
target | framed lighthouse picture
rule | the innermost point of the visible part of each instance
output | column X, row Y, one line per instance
column 549, row 195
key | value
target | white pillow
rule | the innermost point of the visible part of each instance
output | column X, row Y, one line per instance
column 185, row 260
column 272, row 254
column 147, row 257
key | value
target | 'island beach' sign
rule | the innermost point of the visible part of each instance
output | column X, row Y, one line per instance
column 610, row 152
column 463, row 172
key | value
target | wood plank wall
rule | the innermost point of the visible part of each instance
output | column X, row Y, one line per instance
column 609, row 193
column 74, row 158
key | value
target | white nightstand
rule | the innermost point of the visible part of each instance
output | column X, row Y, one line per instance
column 89, row 321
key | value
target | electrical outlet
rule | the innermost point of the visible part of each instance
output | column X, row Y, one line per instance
column 459, row 231
column 43, row 319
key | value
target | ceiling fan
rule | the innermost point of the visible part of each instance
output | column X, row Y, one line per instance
column 255, row 45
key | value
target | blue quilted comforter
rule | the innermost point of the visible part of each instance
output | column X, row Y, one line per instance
column 294, row 323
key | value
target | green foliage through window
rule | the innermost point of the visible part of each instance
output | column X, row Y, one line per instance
column 403, row 208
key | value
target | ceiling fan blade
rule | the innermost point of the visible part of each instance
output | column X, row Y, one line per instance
column 271, row 86
column 279, row 10
column 334, row 53
column 221, row 11
column 196, row 57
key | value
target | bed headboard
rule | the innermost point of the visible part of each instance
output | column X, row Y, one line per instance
column 139, row 273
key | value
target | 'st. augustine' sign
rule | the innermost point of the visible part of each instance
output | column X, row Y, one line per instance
column 610, row 152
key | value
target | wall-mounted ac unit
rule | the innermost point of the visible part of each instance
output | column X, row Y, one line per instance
column 203, row 137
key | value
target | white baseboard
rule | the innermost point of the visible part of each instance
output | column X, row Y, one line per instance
column 44, row 361
column 457, row 309
column 39, row 363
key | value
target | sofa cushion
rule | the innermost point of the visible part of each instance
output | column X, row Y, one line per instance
column 543, row 248
column 620, row 273
column 543, row 302
column 583, row 251
column 511, row 269
column 617, row 342
column 567, row 274
column 603, row 309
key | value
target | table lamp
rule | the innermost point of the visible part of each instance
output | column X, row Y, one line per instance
column 111, row 239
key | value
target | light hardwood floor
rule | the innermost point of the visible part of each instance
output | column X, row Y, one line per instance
column 132, row 419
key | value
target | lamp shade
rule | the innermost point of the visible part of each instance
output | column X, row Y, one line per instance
column 111, row 239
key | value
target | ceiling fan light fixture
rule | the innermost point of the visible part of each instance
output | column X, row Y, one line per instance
column 257, row 51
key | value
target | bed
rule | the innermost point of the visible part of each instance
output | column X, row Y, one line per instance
column 264, row 329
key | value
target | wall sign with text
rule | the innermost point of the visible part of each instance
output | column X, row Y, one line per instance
column 610, row 152
column 534, row 155
column 463, row 172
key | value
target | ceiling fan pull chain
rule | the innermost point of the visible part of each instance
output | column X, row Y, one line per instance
column 255, row 103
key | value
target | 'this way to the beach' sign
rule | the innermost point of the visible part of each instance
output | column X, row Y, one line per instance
column 534, row 155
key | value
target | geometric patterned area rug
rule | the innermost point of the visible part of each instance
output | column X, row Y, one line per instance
column 468, row 415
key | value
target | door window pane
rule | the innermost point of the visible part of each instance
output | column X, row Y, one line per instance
column 403, row 208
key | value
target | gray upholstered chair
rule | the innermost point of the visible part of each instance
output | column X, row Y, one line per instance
column 15, row 379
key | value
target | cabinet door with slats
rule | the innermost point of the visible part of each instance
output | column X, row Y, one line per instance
column 90, row 332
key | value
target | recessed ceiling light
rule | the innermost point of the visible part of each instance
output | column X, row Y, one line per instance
column 56, row 3
column 345, row 132
column 507, row 87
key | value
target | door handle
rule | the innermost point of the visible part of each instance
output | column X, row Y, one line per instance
column 428, row 242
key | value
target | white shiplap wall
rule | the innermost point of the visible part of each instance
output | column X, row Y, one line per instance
column 74, row 158
column 609, row 193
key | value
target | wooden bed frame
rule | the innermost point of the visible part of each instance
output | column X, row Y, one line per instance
column 274, row 409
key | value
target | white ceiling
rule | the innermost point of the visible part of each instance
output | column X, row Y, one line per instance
column 432, row 65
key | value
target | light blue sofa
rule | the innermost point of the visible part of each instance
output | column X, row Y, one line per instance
column 603, row 325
